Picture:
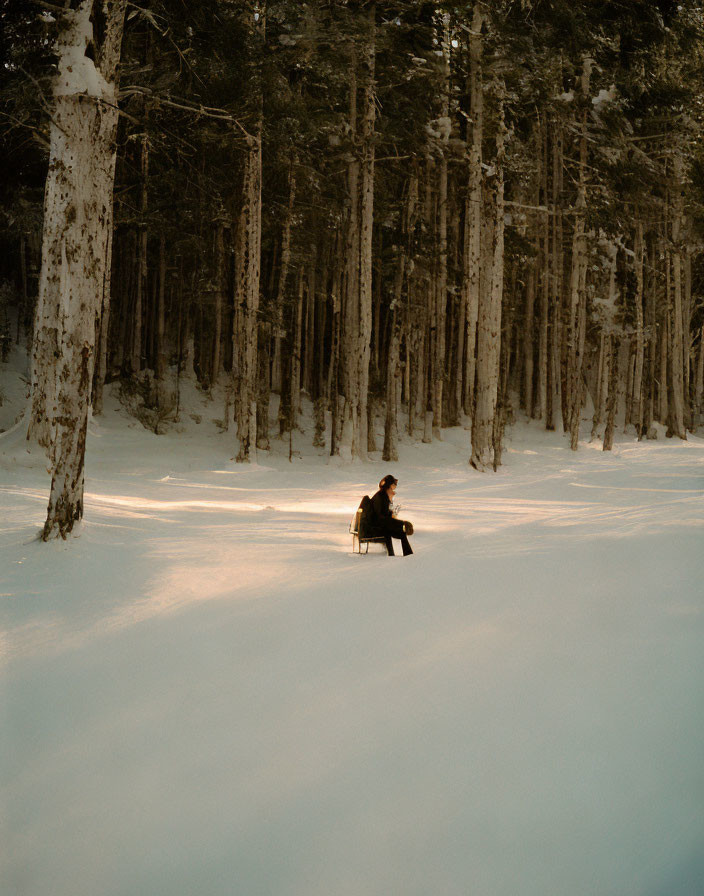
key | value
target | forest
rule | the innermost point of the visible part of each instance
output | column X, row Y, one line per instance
column 431, row 214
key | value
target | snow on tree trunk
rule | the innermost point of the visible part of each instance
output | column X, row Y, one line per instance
column 489, row 323
column 77, row 231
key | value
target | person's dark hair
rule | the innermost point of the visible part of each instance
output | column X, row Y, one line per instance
column 387, row 481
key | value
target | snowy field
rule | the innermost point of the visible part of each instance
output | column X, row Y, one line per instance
column 207, row 693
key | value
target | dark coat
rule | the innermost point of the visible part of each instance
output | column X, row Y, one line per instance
column 382, row 521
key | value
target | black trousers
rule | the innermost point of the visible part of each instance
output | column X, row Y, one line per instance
column 393, row 528
column 407, row 549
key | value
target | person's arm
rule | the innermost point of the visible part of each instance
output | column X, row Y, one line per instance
column 380, row 503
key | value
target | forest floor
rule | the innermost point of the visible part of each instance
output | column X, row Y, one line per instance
column 207, row 692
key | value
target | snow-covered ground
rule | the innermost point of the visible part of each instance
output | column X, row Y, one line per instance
column 207, row 693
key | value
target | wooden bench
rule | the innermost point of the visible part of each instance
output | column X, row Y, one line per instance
column 364, row 540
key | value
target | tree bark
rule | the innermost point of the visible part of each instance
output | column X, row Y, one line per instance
column 489, row 324
column 367, row 229
column 471, row 280
column 77, row 230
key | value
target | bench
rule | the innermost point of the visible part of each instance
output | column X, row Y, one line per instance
column 362, row 539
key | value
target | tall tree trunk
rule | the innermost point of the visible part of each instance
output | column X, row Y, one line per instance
column 348, row 410
column 283, row 277
column 142, row 267
column 295, row 406
column 542, row 410
column 699, row 380
column 528, row 342
column 637, row 393
column 441, row 283
column 677, row 411
column 77, row 229
column 602, row 383
column 471, row 279
column 160, row 352
column 489, row 324
column 612, row 400
column 219, row 299
column 393, row 367
column 366, row 234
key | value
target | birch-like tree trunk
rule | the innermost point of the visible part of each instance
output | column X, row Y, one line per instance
column 489, row 323
column 77, row 230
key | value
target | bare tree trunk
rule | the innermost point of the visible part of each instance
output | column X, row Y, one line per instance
column 247, row 300
column 393, row 368
column 528, row 342
column 219, row 296
column 602, row 384
column 309, row 349
column 77, row 229
column 160, row 366
column 612, row 401
column 542, row 410
column 142, row 269
column 489, row 324
column 100, row 373
column 348, row 410
column 333, row 385
column 699, row 380
column 637, row 393
column 557, row 265
column 296, row 353
column 663, row 403
column 441, row 284
column 675, row 310
column 471, row 280
column 366, row 235
column 283, row 278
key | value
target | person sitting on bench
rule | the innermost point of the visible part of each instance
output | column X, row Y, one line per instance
column 383, row 522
